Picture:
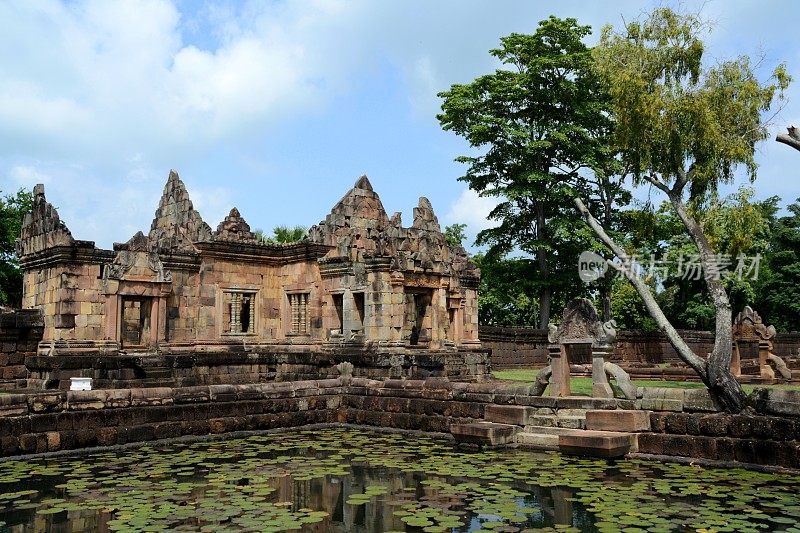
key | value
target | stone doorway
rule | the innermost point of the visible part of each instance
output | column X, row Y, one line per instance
column 418, row 316
column 135, row 321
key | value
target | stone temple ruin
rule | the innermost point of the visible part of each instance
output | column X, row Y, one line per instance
column 185, row 304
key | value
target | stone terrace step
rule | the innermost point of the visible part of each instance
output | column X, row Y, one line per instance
column 509, row 414
column 484, row 433
column 578, row 441
column 620, row 420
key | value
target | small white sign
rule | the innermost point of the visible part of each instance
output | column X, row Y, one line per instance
column 80, row 383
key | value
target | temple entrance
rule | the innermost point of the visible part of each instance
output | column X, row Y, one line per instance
column 135, row 321
column 418, row 316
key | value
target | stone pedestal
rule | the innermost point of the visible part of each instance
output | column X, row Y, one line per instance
column 764, row 348
column 559, row 381
column 600, row 385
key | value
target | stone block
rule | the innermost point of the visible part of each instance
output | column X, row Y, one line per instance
column 777, row 401
column 13, row 405
column 539, row 441
column 676, row 423
column 740, row 426
column 571, row 422
column 44, row 403
column 196, row 394
column 618, row 420
column 117, row 398
column 508, row 414
column 596, row 443
column 151, row 396
column 484, row 433
column 714, row 425
column 660, row 404
column 699, row 400
column 86, row 399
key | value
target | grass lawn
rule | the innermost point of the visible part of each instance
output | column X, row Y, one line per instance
column 583, row 386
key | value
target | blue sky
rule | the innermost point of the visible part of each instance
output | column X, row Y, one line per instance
column 277, row 107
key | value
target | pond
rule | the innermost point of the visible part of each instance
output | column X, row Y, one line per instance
column 343, row 479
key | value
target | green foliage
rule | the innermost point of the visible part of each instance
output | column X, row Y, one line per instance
column 504, row 295
column 736, row 225
column 12, row 213
column 454, row 234
column 627, row 308
column 537, row 122
column 282, row 235
column 671, row 113
column 779, row 293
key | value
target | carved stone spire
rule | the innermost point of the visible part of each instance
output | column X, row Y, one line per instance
column 234, row 229
column 355, row 221
column 176, row 225
column 424, row 217
column 42, row 228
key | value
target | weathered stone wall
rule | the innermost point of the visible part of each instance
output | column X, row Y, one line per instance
column 80, row 419
column 771, row 437
column 70, row 299
column 527, row 347
column 20, row 333
column 236, row 363
column 684, row 423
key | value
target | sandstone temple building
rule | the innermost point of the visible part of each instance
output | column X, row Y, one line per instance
column 395, row 301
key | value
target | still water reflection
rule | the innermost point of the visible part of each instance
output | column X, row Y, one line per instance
column 348, row 480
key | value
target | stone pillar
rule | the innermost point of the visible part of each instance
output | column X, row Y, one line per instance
column 736, row 360
column 236, row 308
column 600, row 385
column 764, row 349
column 154, row 325
column 559, row 381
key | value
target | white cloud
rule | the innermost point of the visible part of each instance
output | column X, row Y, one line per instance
column 27, row 176
column 99, row 99
column 472, row 210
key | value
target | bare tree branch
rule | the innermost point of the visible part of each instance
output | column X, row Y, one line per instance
column 792, row 138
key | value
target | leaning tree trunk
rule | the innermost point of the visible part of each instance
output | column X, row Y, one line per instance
column 714, row 371
column 722, row 384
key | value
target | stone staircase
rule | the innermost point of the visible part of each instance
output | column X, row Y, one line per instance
column 577, row 429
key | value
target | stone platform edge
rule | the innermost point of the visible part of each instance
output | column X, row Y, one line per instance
column 50, row 421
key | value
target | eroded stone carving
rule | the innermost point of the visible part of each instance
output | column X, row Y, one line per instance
column 42, row 228
column 748, row 327
column 137, row 260
column 234, row 229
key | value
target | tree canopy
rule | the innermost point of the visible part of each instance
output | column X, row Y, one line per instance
column 12, row 212
column 683, row 129
column 538, row 121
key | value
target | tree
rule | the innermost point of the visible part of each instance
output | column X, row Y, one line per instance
column 504, row 293
column 779, row 294
column 282, row 235
column 454, row 234
column 12, row 212
column 683, row 129
column 539, row 121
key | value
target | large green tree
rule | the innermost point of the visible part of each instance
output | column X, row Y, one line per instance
column 536, row 122
column 683, row 129
column 778, row 297
column 12, row 212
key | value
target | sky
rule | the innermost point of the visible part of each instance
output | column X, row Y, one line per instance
column 277, row 108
